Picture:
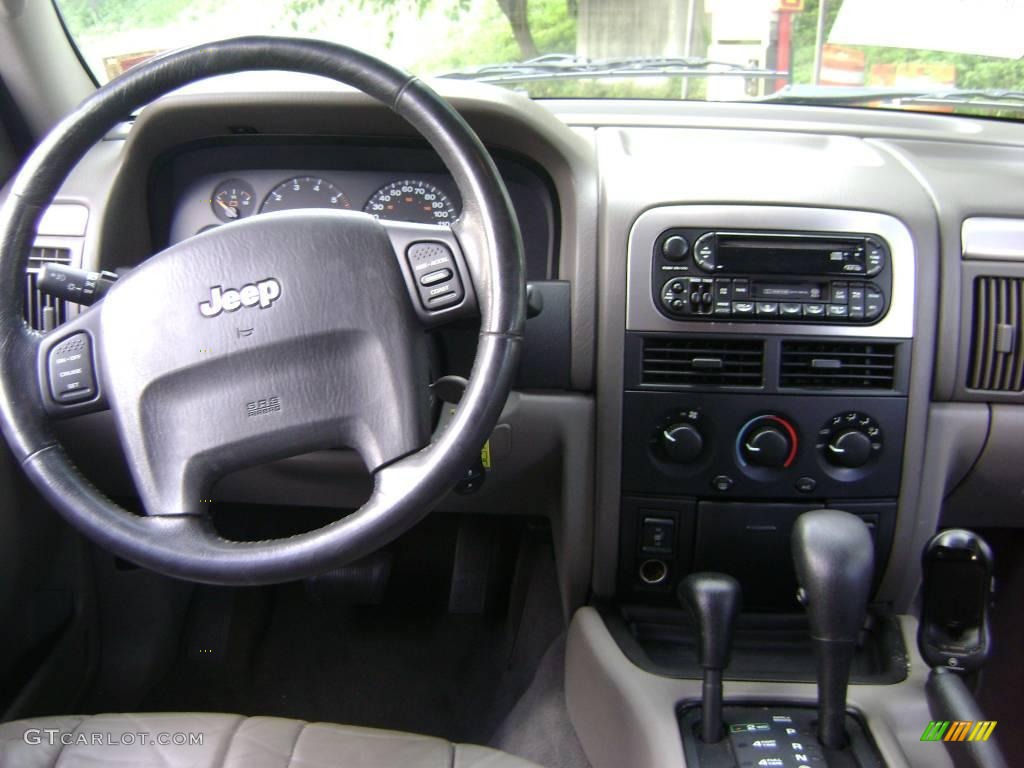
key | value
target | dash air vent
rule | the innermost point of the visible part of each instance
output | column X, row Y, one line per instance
column 715, row 362
column 838, row 365
column 44, row 312
column 997, row 350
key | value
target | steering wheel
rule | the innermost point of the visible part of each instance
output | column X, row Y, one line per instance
column 271, row 336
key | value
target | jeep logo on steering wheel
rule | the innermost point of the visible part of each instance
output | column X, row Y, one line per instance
column 263, row 293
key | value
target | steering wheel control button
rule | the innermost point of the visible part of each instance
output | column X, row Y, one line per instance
column 72, row 378
column 437, row 279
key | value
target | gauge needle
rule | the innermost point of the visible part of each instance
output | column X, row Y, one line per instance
column 229, row 210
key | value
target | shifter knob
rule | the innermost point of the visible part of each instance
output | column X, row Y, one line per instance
column 713, row 600
column 834, row 558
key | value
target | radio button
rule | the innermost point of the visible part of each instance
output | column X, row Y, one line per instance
column 856, row 302
column 723, row 289
column 814, row 310
column 677, row 305
column 723, row 307
column 675, row 248
column 743, row 308
column 704, row 253
column 767, row 308
column 873, row 304
column 791, row 310
column 740, row 289
column 838, row 311
column 840, row 293
column 677, row 286
column 875, row 258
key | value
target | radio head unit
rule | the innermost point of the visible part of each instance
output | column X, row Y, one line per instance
column 771, row 276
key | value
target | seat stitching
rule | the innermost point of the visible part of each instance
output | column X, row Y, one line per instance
column 295, row 744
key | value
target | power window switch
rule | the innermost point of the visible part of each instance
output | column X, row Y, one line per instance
column 657, row 536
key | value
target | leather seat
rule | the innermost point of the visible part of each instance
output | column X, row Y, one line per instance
column 228, row 741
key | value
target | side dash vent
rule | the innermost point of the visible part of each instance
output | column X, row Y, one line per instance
column 997, row 350
column 838, row 365
column 707, row 362
column 44, row 312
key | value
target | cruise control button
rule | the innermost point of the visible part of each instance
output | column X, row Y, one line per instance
column 743, row 308
column 767, row 308
column 70, row 367
column 791, row 310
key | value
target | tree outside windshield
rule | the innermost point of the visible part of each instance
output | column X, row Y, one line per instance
column 759, row 47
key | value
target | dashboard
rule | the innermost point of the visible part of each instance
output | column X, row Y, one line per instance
column 198, row 188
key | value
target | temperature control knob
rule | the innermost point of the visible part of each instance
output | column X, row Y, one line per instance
column 768, row 441
column 682, row 443
column 850, row 440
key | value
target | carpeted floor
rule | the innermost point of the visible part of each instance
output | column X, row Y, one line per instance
column 407, row 664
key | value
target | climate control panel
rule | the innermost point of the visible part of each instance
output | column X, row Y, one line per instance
column 762, row 446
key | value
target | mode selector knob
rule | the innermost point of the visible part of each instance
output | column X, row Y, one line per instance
column 850, row 448
column 768, row 441
column 682, row 443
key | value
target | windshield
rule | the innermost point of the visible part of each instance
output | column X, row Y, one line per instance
column 935, row 55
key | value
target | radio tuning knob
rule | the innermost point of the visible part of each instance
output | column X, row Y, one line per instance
column 682, row 443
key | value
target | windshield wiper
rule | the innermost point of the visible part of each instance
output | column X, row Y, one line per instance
column 558, row 66
column 827, row 95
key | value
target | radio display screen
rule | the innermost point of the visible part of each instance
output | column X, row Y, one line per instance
column 785, row 256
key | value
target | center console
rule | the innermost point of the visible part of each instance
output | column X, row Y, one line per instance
column 766, row 373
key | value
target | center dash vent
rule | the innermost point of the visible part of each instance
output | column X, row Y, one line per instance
column 997, row 349
column 42, row 311
column 715, row 362
column 838, row 365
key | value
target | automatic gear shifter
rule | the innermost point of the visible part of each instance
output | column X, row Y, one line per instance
column 834, row 558
column 713, row 599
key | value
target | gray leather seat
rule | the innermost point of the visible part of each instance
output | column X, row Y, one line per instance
column 228, row 741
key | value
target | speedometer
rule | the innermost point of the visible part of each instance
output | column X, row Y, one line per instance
column 412, row 200
column 305, row 192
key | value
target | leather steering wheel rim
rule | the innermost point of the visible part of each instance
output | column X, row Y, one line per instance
column 185, row 545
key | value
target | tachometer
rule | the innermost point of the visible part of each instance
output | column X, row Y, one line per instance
column 232, row 199
column 412, row 200
column 305, row 192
